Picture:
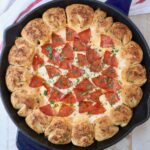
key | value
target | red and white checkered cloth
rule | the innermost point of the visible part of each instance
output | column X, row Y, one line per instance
column 12, row 10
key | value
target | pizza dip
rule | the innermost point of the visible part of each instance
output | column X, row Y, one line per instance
column 75, row 75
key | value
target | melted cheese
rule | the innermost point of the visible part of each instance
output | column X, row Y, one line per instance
column 94, row 43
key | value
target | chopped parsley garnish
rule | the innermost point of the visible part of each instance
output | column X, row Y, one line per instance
column 45, row 93
column 84, row 93
column 41, row 65
column 114, row 50
column 77, row 80
column 59, row 82
column 49, row 49
column 52, row 102
column 76, row 49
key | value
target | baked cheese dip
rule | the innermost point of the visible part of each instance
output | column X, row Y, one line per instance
column 75, row 75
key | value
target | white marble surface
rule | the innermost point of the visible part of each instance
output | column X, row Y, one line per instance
column 139, row 139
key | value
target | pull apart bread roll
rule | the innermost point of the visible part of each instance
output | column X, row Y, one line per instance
column 36, row 32
column 38, row 121
column 59, row 131
column 101, row 22
column 79, row 16
column 26, row 99
column 82, row 133
column 17, row 77
column 21, row 53
column 121, row 32
column 55, row 18
column 104, row 129
column 121, row 115
column 131, row 95
column 134, row 74
column 132, row 53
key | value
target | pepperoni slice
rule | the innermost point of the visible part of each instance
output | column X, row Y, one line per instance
column 80, row 94
column 82, row 89
column 51, row 53
column 82, row 60
column 78, row 45
column 114, row 61
column 94, row 96
column 106, row 83
column 48, row 88
column 85, row 35
column 106, row 41
column 55, row 95
column 96, row 66
column 47, row 110
column 110, row 59
column 92, row 55
column 65, row 64
column 36, row 81
column 67, row 52
column 63, row 82
column 84, row 106
column 110, row 72
column 70, row 34
column 37, row 60
column 85, row 85
column 47, row 50
column 112, row 97
column 57, row 40
column 69, row 98
column 74, row 72
column 97, row 109
column 52, row 71
column 65, row 110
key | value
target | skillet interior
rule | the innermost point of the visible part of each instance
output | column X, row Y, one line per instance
column 141, row 113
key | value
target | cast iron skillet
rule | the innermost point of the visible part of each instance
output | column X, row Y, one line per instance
column 140, row 114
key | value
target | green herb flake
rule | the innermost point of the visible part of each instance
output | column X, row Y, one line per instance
column 77, row 80
column 41, row 65
column 52, row 102
column 114, row 50
column 49, row 49
column 45, row 93
column 84, row 93
column 76, row 49
column 59, row 82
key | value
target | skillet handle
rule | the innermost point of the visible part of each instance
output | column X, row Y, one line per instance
column 121, row 5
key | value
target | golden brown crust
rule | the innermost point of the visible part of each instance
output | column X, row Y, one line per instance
column 104, row 129
column 131, row 95
column 21, row 53
column 38, row 121
column 59, row 131
column 82, row 133
column 120, row 115
column 17, row 77
column 132, row 53
column 101, row 22
column 55, row 18
column 121, row 31
column 134, row 74
column 79, row 16
column 36, row 32
column 25, row 100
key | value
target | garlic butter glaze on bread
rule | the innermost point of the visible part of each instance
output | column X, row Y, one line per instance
column 17, row 77
column 79, row 16
column 55, row 18
column 36, row 32
column 21, row 53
